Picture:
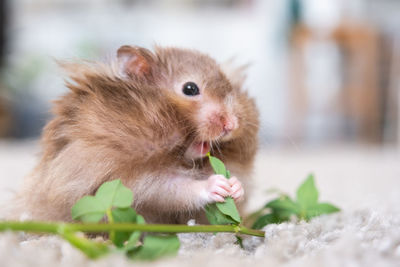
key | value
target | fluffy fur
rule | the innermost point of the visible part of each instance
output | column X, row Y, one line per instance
column 127, row 120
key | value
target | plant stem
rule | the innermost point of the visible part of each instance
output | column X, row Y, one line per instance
column 110, row 220
column 50, row 227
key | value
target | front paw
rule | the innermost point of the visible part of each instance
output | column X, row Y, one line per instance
column 236, row 191
column 217, row 188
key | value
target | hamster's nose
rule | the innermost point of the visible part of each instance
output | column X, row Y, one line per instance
column 229, row 123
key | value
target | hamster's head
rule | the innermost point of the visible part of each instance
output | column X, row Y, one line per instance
column 215, row 109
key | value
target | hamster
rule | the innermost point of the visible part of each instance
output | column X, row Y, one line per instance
column 149, row 119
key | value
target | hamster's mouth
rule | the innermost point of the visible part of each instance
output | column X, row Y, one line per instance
column 197, row 150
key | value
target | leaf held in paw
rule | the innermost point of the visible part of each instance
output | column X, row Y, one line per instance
column 217, row 165
column 215, row 216
column 229, row 208
column 222, row 212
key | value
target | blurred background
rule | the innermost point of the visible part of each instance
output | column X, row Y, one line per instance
column 322, row 71
column 325, row 74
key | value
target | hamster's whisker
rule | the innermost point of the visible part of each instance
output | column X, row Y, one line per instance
column 216, row 141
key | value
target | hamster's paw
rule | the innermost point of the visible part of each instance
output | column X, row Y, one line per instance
column 217, row 188
column 236, row 191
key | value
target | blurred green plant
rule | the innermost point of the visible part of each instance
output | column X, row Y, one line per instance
column 19, row 77
column 305, row 207
column 22, row 73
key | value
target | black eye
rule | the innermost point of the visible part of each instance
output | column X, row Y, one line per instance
column 190, row 89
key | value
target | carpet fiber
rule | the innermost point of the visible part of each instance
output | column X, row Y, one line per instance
column 365, row 183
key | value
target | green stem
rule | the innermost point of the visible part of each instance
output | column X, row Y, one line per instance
column 110, row 220
column 92, row 249
column 49, row 227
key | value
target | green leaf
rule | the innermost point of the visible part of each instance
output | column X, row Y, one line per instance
column 114, row 194
column 156, row 246
column 218, row 166
column 229, row 208
column 91, row 217
column 222, row 212
column 319, row 209
column 280, row 210
column 127, row 215
column 110, row 194
column 88, row 209
column 307, row 194
column 265, row 220
column 124, row 215
column 210, row 211
column 215, row 216
column 133, row 240
column 283, row 204
column 140, row 219
column 306, row 206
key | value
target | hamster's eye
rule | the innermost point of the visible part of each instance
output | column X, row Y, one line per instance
column 190, row 89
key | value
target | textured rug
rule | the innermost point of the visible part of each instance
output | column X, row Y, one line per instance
column 360, row 238
column 365, row 183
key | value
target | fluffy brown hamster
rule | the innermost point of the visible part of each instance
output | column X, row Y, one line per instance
column 149, row 118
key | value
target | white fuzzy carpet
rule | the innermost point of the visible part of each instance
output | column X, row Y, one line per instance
column 365, row 183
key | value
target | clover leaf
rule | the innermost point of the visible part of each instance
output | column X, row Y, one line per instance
column 114, row 194
column 88, row 209
column 115, row 200
column 110, row 194
column 126, row 215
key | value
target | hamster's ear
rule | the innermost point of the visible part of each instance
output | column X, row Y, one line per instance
column 135, row 61
column 236, row 74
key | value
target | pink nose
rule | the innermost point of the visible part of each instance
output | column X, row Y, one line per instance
column 229, row 123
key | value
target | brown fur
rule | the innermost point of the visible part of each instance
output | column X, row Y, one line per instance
column 125, row 122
